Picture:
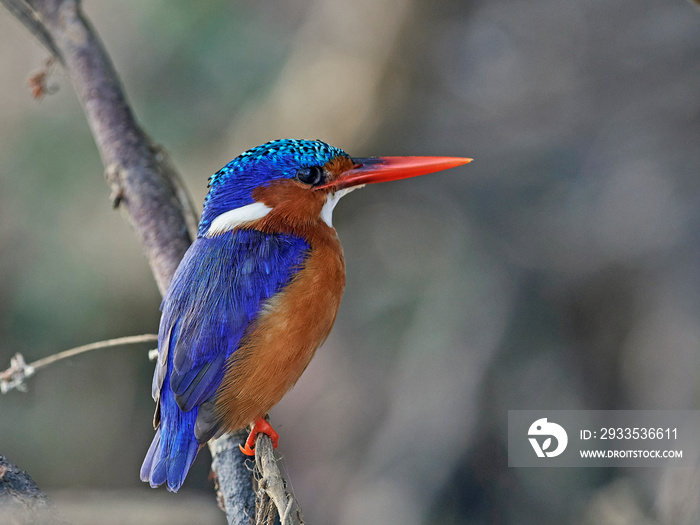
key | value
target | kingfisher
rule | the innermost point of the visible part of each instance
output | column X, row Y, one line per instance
column 255, row 295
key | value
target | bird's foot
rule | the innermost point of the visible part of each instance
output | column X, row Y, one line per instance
column 261, row 426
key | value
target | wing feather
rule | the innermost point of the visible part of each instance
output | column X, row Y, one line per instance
column 218, row 289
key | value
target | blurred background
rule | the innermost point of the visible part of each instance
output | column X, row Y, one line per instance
column 558, row 271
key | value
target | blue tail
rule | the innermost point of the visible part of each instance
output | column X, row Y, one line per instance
column 169, row 458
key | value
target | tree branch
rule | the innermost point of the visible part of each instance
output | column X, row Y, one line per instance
column 142, row 178
column 233, row 478
column 149, row 190
column 271, row 497
column 21, row 501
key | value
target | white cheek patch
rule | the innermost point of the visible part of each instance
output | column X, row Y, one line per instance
column 234, row 218
column 331, row 200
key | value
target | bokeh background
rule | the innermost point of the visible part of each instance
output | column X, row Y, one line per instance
column 558, row 270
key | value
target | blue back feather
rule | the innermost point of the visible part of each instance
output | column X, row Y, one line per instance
column 218, row 289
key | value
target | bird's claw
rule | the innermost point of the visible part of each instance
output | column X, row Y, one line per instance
column 247, row 450
column 261, row 426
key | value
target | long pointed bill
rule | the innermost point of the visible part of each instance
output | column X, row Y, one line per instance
column 384, row 169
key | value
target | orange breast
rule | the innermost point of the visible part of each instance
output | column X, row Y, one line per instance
column 279, row 345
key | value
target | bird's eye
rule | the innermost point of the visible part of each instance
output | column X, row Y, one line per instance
column 312, row 175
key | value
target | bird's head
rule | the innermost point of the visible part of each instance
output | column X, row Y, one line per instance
column 298, row 183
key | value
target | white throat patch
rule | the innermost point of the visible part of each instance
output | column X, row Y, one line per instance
column 234, row 218
column 331, row 200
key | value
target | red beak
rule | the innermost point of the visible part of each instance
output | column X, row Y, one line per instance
column 383, row 169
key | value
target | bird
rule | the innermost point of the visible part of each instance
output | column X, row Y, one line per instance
column 255, row 294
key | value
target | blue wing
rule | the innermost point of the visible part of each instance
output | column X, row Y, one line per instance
column 217, row 290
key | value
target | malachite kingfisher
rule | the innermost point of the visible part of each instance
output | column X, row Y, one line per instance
column 256, row 294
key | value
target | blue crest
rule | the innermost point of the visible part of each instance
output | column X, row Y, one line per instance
column 232, row 185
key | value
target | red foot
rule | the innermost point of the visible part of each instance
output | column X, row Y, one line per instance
column 261, row 426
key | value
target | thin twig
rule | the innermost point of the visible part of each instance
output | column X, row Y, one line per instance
column 273, row 486
column 30, row 19
column 19, row 370
column 38, row 82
